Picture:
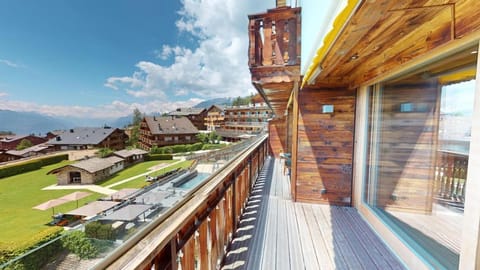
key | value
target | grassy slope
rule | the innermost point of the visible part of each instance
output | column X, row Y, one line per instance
column 19, row 193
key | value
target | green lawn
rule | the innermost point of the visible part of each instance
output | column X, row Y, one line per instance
column 140, row 182
column 19, row 223
column 132, row 171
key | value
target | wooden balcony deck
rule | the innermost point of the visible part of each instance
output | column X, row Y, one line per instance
column 275, row 233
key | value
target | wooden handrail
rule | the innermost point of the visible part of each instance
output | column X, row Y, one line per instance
column 210, row 212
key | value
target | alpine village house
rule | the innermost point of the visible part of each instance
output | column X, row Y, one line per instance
column 165, row 131
column 376, row 109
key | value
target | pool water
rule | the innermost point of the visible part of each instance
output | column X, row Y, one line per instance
column 194, row 181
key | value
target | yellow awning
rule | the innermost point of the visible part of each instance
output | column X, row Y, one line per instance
column 338, row 24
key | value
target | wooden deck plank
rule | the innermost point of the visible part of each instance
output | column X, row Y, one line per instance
column 296, row 256
column 323, row 237
column 288, row 235
column 374, row 241
column 342, row 247
column 308, row 248
column 283, row 258
column 270, row 242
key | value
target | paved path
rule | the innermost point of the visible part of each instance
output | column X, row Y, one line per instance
column 94, row 188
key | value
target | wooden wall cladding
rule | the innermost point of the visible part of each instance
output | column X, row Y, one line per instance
column 325, row 146
column 406, row 148
column 277, row 139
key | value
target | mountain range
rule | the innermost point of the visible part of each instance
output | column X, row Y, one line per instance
column 22, row 123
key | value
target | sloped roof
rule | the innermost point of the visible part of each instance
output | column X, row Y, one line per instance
column 219, row 107
column 92, row 165
column 13, row 138
column 35, row 148
column 170, row 125
column 82, row 136
column 128, row 153
column 187, row 111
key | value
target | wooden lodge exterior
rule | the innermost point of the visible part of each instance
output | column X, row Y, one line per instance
column 11, row 142
column 88, row 171
column 89, row 137
column 215, row 118
column 165, row 131
column 368, row 120
column 195, row 115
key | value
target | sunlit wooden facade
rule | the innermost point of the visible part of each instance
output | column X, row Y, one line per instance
column 368, row 122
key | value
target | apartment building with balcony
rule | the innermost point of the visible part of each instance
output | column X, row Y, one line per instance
column 215, row 118
column 166, row 130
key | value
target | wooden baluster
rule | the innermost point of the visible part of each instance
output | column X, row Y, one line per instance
column 450, row 170
column 203, row 246
column 221, row 229
column 188, row 258
column 279, row 46
column 229, row 218
column 292, row 41
column 267, row 42
column 213, row 239
column 252, row 45
column 258, row 42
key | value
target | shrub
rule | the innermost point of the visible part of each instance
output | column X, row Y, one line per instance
column 213, row 146
column 36, row 259
column 30, row 165
column 77, row 243
column 98, row 230
column 179, row 148
column 151, row 157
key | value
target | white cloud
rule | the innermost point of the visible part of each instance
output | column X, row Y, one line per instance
column 3, row 94
column 11, row 64
column 113, row 110
column 217, row 67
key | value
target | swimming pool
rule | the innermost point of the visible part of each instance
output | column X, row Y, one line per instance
column 194, row 181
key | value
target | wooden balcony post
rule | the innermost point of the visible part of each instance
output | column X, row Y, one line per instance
column 267, row 42
column 292, row 42
column 203, row 245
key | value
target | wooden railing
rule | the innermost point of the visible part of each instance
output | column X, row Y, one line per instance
column 275, row 37
column 196, row 232
column 451, row 178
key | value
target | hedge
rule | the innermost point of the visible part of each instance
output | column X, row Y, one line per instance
column 36, row 259
column 30, row 165
column 151, row 157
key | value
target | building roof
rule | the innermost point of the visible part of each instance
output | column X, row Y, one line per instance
column 12, row 138
column 128, row 153
column 187, row 111
column 82, row 136
column 35, row 148
column 92, row 165
column 219, row 107
column 170, row 125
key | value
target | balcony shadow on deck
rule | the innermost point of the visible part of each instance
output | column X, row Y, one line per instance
column 275, row 233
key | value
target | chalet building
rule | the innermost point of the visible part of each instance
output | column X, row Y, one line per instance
column 88, row 171
column 6, row 157
column 215, row 118
column 132, row 156
column 378, row 109
column 195, row 115
column 88, row 138
column 245, row 121
column 11, row 142
column 165, row 131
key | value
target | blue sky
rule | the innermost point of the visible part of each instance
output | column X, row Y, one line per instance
column 101, row 59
